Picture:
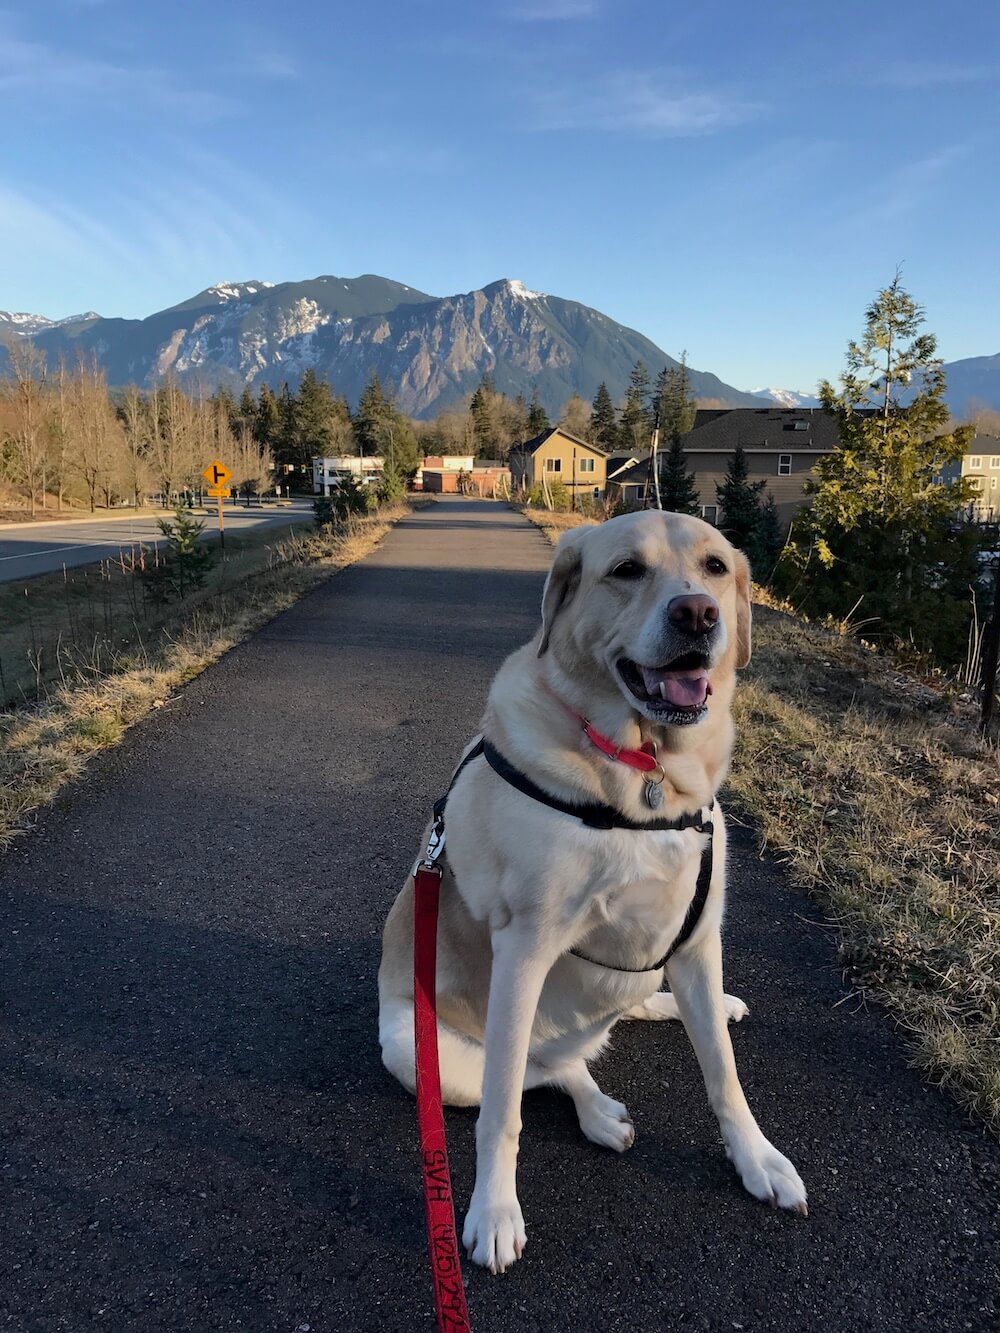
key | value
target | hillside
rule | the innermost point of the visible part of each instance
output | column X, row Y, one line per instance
column 434, row 351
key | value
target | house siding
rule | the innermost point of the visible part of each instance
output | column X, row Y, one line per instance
column 528, row 468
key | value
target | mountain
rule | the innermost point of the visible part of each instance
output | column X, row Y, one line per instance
column 973, row 383
column 15, row 322
column 787, row 397
column 433, row 351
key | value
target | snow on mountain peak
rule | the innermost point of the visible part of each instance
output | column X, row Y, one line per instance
column 517, row 288
column 788, row 397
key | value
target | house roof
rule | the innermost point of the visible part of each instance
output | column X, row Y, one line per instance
column 783, row 429
column 536, row 442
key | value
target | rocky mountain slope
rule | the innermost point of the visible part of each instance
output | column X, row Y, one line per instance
column 434, row 351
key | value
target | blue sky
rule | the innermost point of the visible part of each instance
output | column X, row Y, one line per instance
column 735, row 180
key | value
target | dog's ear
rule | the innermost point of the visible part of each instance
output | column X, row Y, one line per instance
column 744, row 615
column 564, row 576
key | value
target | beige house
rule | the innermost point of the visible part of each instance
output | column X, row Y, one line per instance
column 782, row 446
column 555, row 455
column 982, row 467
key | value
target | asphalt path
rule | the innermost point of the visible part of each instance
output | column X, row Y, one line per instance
column 27, row 550
column 196, row 1131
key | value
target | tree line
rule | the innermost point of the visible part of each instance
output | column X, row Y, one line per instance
column 64, row 435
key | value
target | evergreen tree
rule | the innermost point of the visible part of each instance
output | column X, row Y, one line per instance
column 767, row 541
column 313, row 419
column 381, row 431
column 268, row 424
column 224, row 401
column 246, row 414
column 603, row 421
column 284, row 442
column 884, row 533
column 673, row 402
column 372, row 420
column 483, row 418
column 636, row 425
column 538, row 418
column 739, row 503
column 678, row 488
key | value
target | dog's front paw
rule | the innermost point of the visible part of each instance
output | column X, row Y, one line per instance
column 767, row 1173
column 662, row 1007
column 494, row 1234
column 607, row 1122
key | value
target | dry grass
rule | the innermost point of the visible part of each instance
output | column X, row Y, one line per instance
column 84, row 619
column 877, row 792
column 885, row 804
column 45, row 746
column 552, row 523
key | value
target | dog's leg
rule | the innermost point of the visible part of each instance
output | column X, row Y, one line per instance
column 602, row 1119
column 695, row 973
column 494, row 1226
column 662, row 1006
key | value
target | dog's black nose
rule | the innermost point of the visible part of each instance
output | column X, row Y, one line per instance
column 696, row 614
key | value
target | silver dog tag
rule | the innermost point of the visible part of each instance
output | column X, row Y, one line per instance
column 654, row 795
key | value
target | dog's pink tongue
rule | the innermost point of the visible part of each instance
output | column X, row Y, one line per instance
column 683, row 689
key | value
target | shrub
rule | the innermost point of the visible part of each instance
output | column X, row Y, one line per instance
column 183, row 566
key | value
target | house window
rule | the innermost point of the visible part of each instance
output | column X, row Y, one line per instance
column 975, row 464
column 784, row 465
column 995, row 461
column 710, row 513
column 553, row 465
column 993, row 483
column 976, row 483
column 586, row 465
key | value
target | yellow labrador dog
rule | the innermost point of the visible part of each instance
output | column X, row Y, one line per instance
column 553, row 927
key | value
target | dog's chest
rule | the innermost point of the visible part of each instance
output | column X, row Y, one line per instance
column 643, row 881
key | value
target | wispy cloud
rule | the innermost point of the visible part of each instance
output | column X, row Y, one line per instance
column 45, row 71
column 915, row 75
column 902, row 192
column 543, row 11
column 657, row 106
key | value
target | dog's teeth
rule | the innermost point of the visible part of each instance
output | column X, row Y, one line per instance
column 662, row 687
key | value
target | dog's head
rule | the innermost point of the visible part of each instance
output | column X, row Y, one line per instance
column 659, row 603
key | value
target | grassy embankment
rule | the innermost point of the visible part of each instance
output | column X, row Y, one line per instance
column 86, row 654
column 878, row 794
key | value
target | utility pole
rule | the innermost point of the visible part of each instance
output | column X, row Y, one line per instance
column 654, row 462
column 991, row 652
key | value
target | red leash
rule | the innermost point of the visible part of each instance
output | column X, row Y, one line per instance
column 449, row 1294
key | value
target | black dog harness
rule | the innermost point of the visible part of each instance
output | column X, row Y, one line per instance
column 595, row 815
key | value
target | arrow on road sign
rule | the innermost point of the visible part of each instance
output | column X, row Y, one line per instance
column 217, row 473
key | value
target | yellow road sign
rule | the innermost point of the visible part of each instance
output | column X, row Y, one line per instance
column 219, row 492
column 217, row 473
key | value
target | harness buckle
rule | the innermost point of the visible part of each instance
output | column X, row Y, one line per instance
column 435, row 846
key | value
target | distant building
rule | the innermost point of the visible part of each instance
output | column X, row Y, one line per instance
column 782, row 446
column 329, row 472
column 555, row 455
column 455, row 474
column 450, row 463
column 981, row 465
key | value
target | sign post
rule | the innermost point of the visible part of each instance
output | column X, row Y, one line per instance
column 217, row 474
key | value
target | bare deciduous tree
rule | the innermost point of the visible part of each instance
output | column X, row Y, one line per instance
column 25, row 391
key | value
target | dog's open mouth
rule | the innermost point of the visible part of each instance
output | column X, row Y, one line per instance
column 677, row 692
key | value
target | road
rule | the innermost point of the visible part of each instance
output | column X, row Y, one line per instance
column 196, row 1129
column 42, row 548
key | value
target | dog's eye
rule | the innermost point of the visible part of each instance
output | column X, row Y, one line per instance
column 628, row 569
column 713, row 565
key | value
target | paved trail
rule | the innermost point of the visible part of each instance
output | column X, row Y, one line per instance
column 196, row 1130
